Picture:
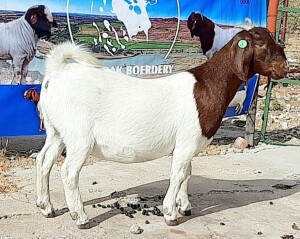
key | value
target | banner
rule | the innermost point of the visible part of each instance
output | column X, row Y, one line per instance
column 143, row 38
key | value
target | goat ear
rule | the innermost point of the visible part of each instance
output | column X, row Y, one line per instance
column 190, row 23
column 35, row 95
column 241, row 53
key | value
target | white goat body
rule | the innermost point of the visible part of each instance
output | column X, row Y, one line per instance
column 18, row 39
column 92, row 110
column 127, row 119
column 117, row 118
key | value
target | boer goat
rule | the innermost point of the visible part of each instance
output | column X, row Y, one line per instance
column 212, row 37
column 126, row 119
column 19, row 39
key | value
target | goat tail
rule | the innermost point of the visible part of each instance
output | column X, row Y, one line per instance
column 58, row 57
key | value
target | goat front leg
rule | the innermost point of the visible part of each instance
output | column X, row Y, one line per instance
column 179, row 173
column 76, row 156
column 17, row 68
column 24, row 72
column 182, row 200
column 52, row 149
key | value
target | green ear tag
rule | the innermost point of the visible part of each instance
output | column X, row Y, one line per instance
column 242, row 44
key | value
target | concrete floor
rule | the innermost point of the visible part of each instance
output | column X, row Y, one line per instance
column 232, row 197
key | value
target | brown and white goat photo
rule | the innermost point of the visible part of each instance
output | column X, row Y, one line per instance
column 131, row 120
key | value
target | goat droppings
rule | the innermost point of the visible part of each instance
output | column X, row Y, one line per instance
column 145, row 212
column 128, row 214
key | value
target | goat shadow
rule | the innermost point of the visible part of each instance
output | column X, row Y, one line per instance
column 208, row 195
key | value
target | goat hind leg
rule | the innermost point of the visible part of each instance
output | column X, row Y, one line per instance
column 76, row 156
column 52, row 149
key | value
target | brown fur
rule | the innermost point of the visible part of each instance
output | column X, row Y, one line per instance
column 32, row 95
column 202, row 27
column 220, row 77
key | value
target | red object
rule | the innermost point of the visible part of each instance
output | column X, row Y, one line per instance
column 272, row 15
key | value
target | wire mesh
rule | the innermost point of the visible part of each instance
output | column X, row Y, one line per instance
column 283, row 109
column 289, row 36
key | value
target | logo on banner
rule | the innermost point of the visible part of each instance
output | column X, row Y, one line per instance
column 112, row 37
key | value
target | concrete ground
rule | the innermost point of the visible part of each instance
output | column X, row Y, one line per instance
column 232, row 196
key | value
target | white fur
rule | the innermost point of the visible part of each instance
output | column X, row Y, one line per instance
column 92, row 110
column 48, row 14
column 18, row 42
column 238, row 100
column 223, row 36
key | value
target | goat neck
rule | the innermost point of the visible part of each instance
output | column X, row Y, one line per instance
column 206, row 34
column 215, row 87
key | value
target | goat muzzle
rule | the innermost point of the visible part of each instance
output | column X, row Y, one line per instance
column 280, row 70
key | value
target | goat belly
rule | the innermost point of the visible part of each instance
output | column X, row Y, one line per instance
column 130, row 154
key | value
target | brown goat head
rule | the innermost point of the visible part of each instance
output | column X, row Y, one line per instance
column 269, row 57
column 197, row 24
column 255, row 51
column 32, row 95
column 41, row 20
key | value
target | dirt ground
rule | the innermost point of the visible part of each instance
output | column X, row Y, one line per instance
column 254, row 194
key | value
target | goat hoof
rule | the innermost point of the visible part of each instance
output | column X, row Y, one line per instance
column 185, row 213
column 50, row 214
column 40, row 204
column 84, row 226
column 171, row 222
column 74, row 215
